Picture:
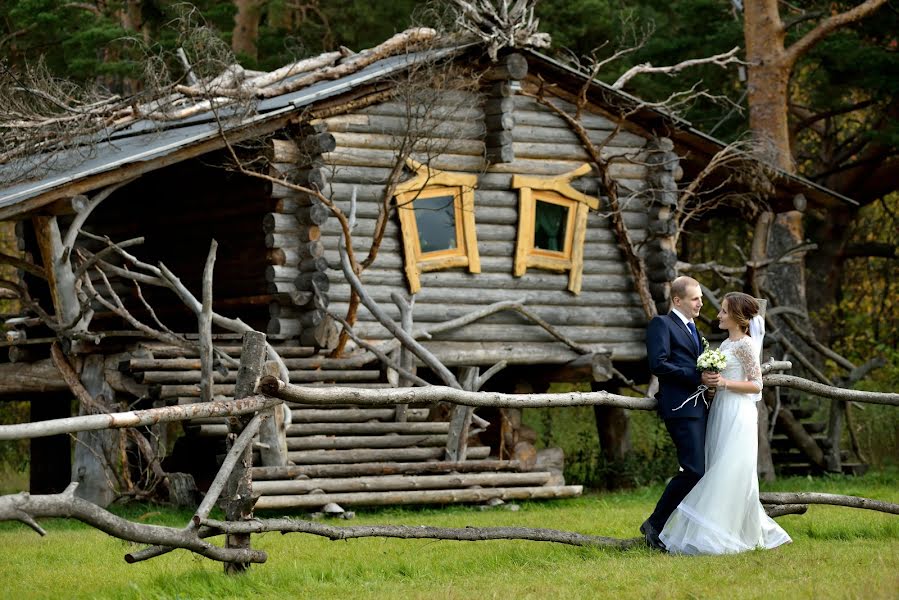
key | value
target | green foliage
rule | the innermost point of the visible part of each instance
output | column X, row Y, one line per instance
column 836, row 553
column 574, row 431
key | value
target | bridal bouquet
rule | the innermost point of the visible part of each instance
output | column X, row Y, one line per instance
column 711, row 360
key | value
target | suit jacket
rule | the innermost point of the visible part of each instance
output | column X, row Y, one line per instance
column 672, row 358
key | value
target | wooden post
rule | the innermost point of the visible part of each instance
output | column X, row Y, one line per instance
column 457, row 439
column 407, row 359
column 98, row 454
column 237, row 500
column 59, row 271
column 272, row 432
column 51, row 457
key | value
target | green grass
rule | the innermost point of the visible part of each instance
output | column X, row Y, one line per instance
column 837, row 553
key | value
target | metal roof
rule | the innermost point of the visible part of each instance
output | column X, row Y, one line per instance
column 145, row 140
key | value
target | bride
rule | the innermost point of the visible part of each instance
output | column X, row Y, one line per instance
column 722, row 513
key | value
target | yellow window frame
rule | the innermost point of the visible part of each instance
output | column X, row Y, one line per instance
column 555, row 190
column 429, row 183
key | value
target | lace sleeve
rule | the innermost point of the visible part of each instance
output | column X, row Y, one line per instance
column 746, row 353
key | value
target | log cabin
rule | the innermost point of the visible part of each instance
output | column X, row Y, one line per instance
column 491, row 196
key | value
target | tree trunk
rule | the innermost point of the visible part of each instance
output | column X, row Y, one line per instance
column 246, row 28
column 769, row 76
column 99, row 456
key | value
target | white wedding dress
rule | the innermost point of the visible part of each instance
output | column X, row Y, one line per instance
column 722, row 514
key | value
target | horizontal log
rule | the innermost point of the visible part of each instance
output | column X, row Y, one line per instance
column 530, row 110
column 161, row 350
column 522, row 333
column 399, row 482
column 136, row 418
column 534, row 353
column 455, row 108
column 288, row 392
column 432, row 127
column 314, row 214
column 221, row 389
column 525, row 150
column 418, row 497
column 340, row 293
column 358, row 455
column 321, row 442
column 510, row 67
column 376, row 428
column 533, row 279
column 385, row 468
column 353, row 415
column 314, row 281
column 565, row 135
column 394, row 142
column 554, row 315
column 166, row 377
column 40, row 376
column 826, row 391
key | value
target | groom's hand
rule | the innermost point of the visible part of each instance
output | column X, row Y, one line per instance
column 710, row 378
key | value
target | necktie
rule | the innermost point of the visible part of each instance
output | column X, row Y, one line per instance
column 692, row 327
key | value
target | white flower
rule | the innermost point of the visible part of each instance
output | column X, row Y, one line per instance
column 711, row 360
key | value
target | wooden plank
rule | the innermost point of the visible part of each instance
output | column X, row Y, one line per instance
column 323, row 442
column 382, row 468
column 471, row 147
column 340, row 292
column 418, row 497
column 343, row 375
column 318, row 457
column 376, row 428
column 352, row 415
column 555, row 315
column 400, row 482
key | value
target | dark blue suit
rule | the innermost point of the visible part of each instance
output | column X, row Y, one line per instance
column 672, row 352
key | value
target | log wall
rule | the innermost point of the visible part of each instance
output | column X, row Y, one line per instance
column 606, row 313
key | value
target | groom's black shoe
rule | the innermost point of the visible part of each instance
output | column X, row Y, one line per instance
column 651, row 535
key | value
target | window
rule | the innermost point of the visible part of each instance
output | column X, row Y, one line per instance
column 552, row 224
column 436, row 211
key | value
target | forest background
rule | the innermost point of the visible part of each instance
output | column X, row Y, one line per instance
column 844, row 124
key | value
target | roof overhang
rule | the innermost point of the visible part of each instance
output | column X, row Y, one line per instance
column 694, row 145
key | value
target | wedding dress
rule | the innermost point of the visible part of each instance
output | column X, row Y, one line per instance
column 722, row 513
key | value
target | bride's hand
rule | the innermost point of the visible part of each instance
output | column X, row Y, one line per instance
column 710, row 378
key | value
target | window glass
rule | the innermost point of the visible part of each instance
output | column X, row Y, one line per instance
column 550, row 221
column 436, row 220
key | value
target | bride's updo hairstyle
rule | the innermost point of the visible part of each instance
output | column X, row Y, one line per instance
column 741, row 308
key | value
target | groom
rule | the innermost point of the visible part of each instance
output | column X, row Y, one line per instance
column 672, row 347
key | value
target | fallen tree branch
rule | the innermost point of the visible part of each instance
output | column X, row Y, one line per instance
column 469, row 534
column 25, row 508
column 137, row 418
column 827, row 391
column 833, row 499
column 779, row 510
column 380, row 397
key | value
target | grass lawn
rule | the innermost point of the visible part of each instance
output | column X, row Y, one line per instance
column 836, row 553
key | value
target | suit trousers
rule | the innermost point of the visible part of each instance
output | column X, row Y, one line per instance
column 688, row 435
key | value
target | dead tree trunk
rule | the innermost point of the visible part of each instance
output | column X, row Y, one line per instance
column 237, row 502
column 99, row 455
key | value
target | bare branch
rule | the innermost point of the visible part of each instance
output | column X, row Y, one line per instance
column 721, row 60
column 828, row 26
column 832, row 499
column 24, row 507
column 137, row 418
column 469, row 534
